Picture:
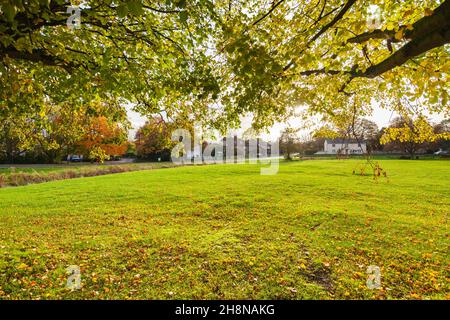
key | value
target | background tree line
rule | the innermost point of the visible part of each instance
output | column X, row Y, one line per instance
column 404, row 135
column 153, row 141
column 50, row 135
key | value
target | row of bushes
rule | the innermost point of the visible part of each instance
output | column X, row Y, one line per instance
column 24, row 178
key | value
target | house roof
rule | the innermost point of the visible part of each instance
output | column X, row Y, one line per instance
column 342, row 141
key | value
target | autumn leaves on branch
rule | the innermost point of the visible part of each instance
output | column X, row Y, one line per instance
column 427, row 33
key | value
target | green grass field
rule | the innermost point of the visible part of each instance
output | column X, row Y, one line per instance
column 226, row 232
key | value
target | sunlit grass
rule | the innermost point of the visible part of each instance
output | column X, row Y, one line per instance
column 226, row 232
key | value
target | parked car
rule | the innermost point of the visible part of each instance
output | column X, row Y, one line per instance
column 75, row 158
column 440, row 152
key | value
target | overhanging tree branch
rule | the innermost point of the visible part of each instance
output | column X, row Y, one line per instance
column 410, row 50
column 420, row 28
column 428, row 33
column 338, row 17
column 324, row 29
column 268, row 13
column 36, row 55
column 407, row 52
column 375, row 34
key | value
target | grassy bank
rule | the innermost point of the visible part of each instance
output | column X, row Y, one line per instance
column 13, row 177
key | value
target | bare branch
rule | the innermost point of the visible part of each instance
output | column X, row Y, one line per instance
column 268, row 13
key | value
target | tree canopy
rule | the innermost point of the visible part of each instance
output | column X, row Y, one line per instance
column 218, row 60
column 154, row 139
column 411, row 134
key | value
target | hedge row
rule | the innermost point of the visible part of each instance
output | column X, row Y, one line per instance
column 24, row 178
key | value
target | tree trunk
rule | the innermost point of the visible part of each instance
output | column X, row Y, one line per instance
column 411, row 150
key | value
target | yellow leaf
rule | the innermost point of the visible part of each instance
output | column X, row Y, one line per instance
column 428, row 12
column 399, row 35
column 407, row 13
column 22, row 266
column 390, row 26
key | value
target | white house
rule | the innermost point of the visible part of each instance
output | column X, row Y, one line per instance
column 344, row 146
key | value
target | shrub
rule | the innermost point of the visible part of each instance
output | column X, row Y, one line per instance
column 70, row 174
column 34, row 177
column 3, row 180
column 18, row 179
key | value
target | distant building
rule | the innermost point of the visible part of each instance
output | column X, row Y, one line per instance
column 343, row 146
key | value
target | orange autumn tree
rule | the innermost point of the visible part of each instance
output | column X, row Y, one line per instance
column 103, row 139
